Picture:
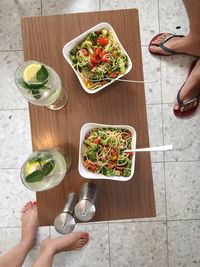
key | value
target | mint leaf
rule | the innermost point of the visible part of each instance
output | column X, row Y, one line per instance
column 48, row 167
column 36, row 93
column 22, row 83
column 45, row 156
column 35, row 176
column 42, row 74
column 35, row 158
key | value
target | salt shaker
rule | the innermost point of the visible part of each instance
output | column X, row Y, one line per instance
column 85, row 208
column 64, row 223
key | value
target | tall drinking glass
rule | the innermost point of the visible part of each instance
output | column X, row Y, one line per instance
column 45, row 169
column 40, row 85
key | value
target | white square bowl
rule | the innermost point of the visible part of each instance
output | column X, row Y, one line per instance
column 90, row 175
column 70, row 45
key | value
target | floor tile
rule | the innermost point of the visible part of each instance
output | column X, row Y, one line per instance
column 138, row 244
column 50, row 7
column 182, row 190
column 11, row 236
column 159, row 193
column 184, row 243
column 95, row 253
column 10, row 13
column 148, row 14
column 174, row 73
column 154, row 116
column 151, row 68
column 183, row 134
column 173, row 14
column 10, row 97
column 13, row 197
column 14, row 138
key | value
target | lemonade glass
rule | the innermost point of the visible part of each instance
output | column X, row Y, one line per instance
column 40, row 85
column 44, row 169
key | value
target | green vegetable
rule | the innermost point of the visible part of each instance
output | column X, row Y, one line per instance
column 33, row 86
column 121, row 160
column 126, row 172
column 109, row 172
column 45, row 170
column 104, row 142
column 91, row 155
column 92, row 36
column 40, row 157
column 42, row 74
column 48, row 167
column 73, row 58
column 108, row 46
column 122, row 68
column 92, row 145
column 88, row 45
column 116, row 172
column 35, row 176
column 104, row 33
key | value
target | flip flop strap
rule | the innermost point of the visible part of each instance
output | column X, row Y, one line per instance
column 183, row 104
column 168, row 50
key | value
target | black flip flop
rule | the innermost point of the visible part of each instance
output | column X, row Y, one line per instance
column 161, row 45
column 182, row 103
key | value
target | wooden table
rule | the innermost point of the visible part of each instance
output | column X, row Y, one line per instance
column 120, row 103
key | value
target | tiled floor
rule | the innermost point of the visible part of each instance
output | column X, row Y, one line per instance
column 172, row 238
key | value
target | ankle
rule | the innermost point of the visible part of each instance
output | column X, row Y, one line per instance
column 193, row 37
column 47, row 247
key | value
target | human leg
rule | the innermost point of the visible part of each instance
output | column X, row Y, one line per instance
column 50, row 247
column 16, row 256
column 189, row 44
column 189, row 91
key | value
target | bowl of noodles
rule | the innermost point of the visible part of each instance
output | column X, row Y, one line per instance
column 102, row 151
column 97, row 57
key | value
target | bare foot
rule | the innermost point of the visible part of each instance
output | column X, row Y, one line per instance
column 29, row 224
column 188, row 45
column 73, row 241
column 190, row 89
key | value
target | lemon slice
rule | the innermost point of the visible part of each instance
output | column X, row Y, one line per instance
column 33, row 166
column 29, row 74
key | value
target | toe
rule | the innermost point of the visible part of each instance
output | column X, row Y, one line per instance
column 176, row 106
column 182, row 109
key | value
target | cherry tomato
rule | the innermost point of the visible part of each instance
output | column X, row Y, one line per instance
column 94, row 59
column 96, row 141
column 113, row 74
column 102, row 56
column 102, row 41
column 85, row 52
column 97, row 51
column 90, row 166
column 111, row 164
column 114, row 152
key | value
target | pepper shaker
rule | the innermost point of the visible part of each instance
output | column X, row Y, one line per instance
column 85, row 208
column 64, row 223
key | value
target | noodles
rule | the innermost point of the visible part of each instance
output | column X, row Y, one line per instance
column 103, row 151
column 99, row 59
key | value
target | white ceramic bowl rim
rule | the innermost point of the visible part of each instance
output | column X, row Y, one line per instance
column 90, row 175
column 70, row 45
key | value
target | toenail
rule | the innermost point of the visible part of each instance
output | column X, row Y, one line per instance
column 86, row 235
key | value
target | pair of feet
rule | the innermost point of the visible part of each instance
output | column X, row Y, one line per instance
column 73, row 241
column 182, row 45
